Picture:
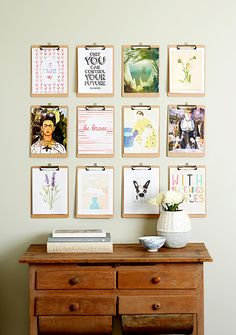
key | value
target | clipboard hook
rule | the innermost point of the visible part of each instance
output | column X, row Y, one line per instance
column 187, row 167
column 186, row 46
column 94, row 47
column 49, row 46
column 141, row 167
column 94, row 167
column 186, row 106
column 140, row 46
column 141, row 107
column 49, row 167
column 97, row 107
column 49, row 107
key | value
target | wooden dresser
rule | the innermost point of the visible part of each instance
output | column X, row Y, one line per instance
column 159, row 293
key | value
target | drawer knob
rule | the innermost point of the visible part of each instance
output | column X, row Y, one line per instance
column 74, row 281
column 156, row 280
column 74, row 307
column 155, row 307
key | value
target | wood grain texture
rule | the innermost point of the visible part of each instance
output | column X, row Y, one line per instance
column 161, row 324
column 123, row 253
column 72, row 325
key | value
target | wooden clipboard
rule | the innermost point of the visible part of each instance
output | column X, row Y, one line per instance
column 96, row 214
column 200, row 191
column 99, row 113
column 125, row 92
column 177, row 93
column 142, row 215
column 48, row 182
column 92, row 74
column 201, row 130
column 141, row 108
column 31, row 142
column 49, row 76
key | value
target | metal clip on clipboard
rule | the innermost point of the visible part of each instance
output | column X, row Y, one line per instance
column 141, row 107
column 186, row 106
column 49, row 46
column 97, row 107
column 141, row 167
column 49, row 167
column 49, row 106
column 95, row 167
column 94, row 46
column 140, row 46
column 187, row 167
column 186, row 46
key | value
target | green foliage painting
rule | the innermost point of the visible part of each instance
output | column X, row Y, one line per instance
column 141, row 70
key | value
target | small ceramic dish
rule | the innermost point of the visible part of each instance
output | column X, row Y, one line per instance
column 152, row 243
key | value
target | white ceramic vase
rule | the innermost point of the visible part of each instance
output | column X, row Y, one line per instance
column 175, row 227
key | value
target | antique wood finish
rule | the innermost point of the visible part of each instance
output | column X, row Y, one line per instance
column 154, row 293
column 161, row 324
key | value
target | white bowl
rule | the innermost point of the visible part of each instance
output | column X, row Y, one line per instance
column 152, row 243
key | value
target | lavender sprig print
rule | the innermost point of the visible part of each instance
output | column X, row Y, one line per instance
column 50, row 191
column 186, row 70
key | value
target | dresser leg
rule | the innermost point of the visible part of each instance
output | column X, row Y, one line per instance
column 33, row 324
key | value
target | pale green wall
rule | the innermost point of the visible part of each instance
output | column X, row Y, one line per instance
column 72, row 22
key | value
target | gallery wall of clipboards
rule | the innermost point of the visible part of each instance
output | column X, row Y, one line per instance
column 95, row 129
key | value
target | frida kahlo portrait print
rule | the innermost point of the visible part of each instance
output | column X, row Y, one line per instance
column 48, row 131
column 140, row 76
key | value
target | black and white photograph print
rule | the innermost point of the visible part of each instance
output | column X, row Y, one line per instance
column 140, row 184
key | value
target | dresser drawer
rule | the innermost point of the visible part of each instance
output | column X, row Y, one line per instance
column 75, row 279
column 65, row 305
column 157, row 304
column 73, row 325
column 169, row 277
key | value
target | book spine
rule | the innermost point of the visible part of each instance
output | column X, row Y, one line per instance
column 79, row 234
column 78, row 239
column 80, row 247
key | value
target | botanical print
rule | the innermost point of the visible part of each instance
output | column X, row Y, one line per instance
column 139, row 186
column 186, row 70
column 141, row 70
column 49, row 191
column 192, row 183
column 49, row 71
column 140, row 131
column 94, row 192
column 95, row 70
column 95, row 131
column 48, row 132
column 186, row 131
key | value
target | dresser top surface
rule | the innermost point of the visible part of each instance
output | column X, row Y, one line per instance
column 123, row 253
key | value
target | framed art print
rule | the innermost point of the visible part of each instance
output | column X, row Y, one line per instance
column 95, row 131
column 141, row 131
column 49, row 191
column 95, row 70
column 190, row 180
column 186, row 70
column 140, row 184
column 186, row 131
column 48, row 131
column 140, row 70
column 49, row 70
column 94, row 192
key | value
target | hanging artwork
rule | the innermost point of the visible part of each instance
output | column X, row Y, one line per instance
column 140, row 184
column 95, row 70
column 95, row 131
column 48, row 131
column 186, row 70
column 140, row 75
column 49, row 191
column 49, row 70
column 94, row 192
column 190, row 180
column 141, row 135
column 186, row 131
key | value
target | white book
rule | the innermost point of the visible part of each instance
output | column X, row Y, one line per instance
column 79, row 247
column 78, row 233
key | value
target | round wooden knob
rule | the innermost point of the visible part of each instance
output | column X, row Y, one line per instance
column 74, row 281
column 74, row 307
column 156, row 280
column 155, row 307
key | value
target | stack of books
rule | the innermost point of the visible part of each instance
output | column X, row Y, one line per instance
column 79, row 241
